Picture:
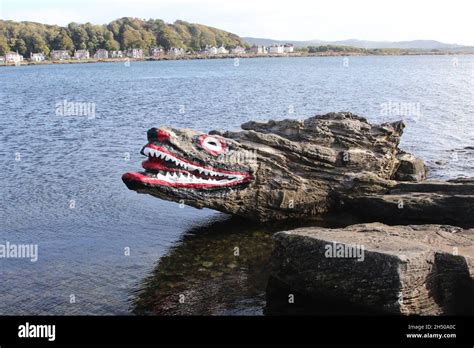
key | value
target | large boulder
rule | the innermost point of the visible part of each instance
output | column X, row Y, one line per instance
column 424, row 269
column 410, row 168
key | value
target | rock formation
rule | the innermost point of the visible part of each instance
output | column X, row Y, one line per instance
column 292, row 169
column 418, row 269
column 334, row 164
column 430, row 201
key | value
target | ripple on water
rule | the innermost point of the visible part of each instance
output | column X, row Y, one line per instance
column 80, row 159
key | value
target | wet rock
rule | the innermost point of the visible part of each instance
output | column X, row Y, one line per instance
column 410, row 168
column 424, row 270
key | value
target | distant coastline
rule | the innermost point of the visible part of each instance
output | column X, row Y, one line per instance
column 229, row 56
column 133, row 39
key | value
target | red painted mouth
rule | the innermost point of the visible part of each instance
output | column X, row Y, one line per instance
column 164, row 168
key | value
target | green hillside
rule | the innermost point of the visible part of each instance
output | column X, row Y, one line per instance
column 121, row 34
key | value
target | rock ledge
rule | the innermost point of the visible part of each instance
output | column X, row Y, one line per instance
column 417, row 269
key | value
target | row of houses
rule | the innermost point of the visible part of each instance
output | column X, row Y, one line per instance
column 15, row 57
column 273, row 49
column 11, row 57
column 137, row 53
column 212, row 50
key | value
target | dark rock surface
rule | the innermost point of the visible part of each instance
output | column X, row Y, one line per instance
column 430, row 201
column 425, row 269
column 410, row 168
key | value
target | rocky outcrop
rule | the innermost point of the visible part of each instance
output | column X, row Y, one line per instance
column 294, row 169
column 425, row 269
column 334, row 164
column 430, row 201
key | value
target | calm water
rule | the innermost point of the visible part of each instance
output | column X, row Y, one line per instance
column 61, row 175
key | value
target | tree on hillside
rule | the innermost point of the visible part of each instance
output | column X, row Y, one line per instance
column 195, row 33
column 114, row 28
column 19, row 46
column 207, row 37
column 96, row 36
column 78, row 35
column 168, row 38
column 63, row 41
column 148, row 39
column 131, row 38
column 35, row 43
column 182, row 28
column 155, row 25
column 110, row 43
column 4, row 47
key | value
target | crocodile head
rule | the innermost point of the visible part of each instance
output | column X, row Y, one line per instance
column 273, row 170
column 184, row 159
column 188, row 166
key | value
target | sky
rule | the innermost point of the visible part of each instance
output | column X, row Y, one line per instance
column 380, row 20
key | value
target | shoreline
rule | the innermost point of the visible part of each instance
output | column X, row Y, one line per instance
column 231, row 56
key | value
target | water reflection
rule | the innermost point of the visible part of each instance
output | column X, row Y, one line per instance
column 220, row 268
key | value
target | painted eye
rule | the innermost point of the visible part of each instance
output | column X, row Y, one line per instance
column 212, row 144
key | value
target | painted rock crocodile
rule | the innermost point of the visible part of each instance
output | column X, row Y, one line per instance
column 300, row 169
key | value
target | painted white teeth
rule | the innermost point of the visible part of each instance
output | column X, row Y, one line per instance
column 213, row 177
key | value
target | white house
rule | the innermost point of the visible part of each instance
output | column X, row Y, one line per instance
column 101, row 54
column 134, row 53
column 13, row 57
column 116, row 54
column 2, row 59
column 175, row 51
column 258, row 49
column 37, row 57
column 157, row 52
column 222, row 50
column 276, row 49
column 288, row 48
column 81, row 54
column 210, row 50
column 238, row 50
column 59, row 54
